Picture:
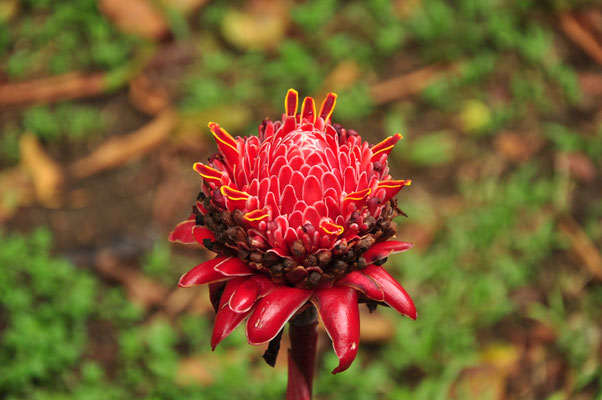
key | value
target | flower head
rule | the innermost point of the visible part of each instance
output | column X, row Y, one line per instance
column 299, row 215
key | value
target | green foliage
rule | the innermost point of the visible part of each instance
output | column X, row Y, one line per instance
column 62, row 36
column 65, row 121
column 45, row 303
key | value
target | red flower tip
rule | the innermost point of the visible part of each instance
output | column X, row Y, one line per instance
column 328, row 106
column 291, row 102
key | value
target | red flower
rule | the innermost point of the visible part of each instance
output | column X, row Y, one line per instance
column 299, row 215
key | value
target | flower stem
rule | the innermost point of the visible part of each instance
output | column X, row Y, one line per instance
column 303, row 333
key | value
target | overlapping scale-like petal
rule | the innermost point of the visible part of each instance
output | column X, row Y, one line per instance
column 382, row 250
column 395, row 295
column 203, row 273
column 182, row 233
column 273, row 311
column 227, row 320
column 364, row 284
column 253, row 288
column 232, row 266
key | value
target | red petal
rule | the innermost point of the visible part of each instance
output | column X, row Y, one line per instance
column 226, row 144
column 273, row 311
column 245, row 296
column 208, row 173
column 328, row 106
column 204, row 273
column 340, row 314
column 291, row 102
column 364, row 284
column 385, row 146
column 201, row 233
column 308, row 110
column 312, row 190
column 395, row 295
column 392, row 187
column 233, row 266
column 226, row 319
column 384, row 249
column 183, row 232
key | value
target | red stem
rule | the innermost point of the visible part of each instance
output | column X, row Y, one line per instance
column 303, row 332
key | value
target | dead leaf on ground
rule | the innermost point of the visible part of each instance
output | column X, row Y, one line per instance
column 140, row 289
column 410, row 83
column 118, row 150
column 148, row 96
column 46, row 174
column 518, row 147
column 582, row 246
column 181, row 299
column 579, row 31
column 260, row 25
column 8, row 10
column 591, row 83
column 194, row 371
column 73, row 85
column 16, row 191
column 487, row 380
column 581, row 167
column 344, row 75
column 145, row 18
column 375, row 327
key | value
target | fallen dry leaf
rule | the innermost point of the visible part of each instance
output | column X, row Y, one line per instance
column 582, row 246
column 194, row 371
column 487, row 380
column 140, row 289
column 591, row 83
column 46, row 174
column 517, row 147
column 409, row 84
column 147, row 96
column 16, row 191
column 8, row 10
column 73, row 85
column 118, row 150
column 145, row 18
column 375, row 327
column 344, row 75
column 581, row 167
column 260, row 25
column 580, row 33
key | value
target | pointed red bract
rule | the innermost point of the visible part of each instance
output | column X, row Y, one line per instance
column 201, row 233
column 395, row 295
column 339, row 312
column 383, row 249
column 273, row 311
column 204, row 273
column 227, row 320
column 232, row 266
column 253, row 288
column 364, row 284
column 183, row 233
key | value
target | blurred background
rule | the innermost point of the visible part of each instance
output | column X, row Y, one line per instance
column 103, row 110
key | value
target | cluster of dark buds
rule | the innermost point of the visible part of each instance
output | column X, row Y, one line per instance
column 300, row 217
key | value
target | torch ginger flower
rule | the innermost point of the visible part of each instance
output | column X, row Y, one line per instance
column 299, row 217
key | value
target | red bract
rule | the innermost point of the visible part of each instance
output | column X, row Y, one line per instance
column 300, row 216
